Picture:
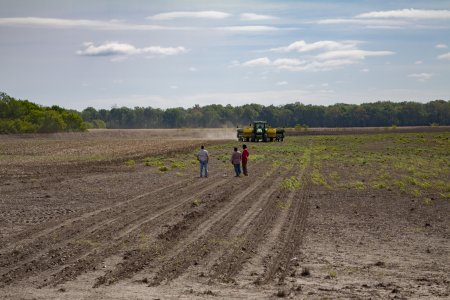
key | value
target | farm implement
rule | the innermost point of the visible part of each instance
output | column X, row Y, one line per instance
column 260, row 131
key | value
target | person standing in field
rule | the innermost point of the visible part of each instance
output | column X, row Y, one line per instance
column 245, row 155
column 203, row 158
column 236, row 158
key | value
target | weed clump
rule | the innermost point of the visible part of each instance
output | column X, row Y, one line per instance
column 196, row 202
column 178, row 164
column 291, row 183
column 154, row 162
column 282, row 205
column 318, row 179
column 358, row 185
column 130, row 163
column 331, row 274
column 379, row 185
column 163, row 169
column 427, row 201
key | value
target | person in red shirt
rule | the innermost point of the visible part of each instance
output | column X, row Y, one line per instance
column 245, row 155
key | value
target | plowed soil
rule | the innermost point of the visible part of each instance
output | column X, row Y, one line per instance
column 77, row 223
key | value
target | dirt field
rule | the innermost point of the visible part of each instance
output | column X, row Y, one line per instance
column 123, row 215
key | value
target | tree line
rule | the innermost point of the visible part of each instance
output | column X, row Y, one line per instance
column 17, row 116
column 23, row 116
column 375, row 114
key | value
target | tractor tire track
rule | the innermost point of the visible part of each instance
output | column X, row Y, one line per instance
column 71, row 228
column 289, row 244
column 182, row 237
column 129, row 235
column 65, row 246
column 249, row 233
column 256, row 230
column 27, row 239
column 210, row 235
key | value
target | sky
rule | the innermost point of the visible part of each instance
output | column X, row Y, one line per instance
column 165, row 54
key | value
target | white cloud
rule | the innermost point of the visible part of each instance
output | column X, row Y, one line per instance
column 445, row 56
column 410, row 13
column 369, row 23
column 173, row 87
column 256, row 17
column 193, row 69
column 418, row 62
column 365, row 70
column 81, row 24
column 116, row 48
column 441, row 46
column 280, row 62
column 190, row 14
column 353, row 54
column 280, row 83
column 257, row 28
column 302, row 46
column 422, row 77
column 263, row 61
column 112, row 25
column 298, row 65
column 331, row 55
column 392, row 19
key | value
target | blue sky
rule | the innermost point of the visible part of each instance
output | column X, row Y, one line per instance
column 180, row 53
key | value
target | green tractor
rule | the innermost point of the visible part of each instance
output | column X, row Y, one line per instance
column 260, row 131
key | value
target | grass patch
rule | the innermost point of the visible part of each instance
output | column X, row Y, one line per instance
column 291, row 183
column 130, row 162
column 196, row 202
column 256, row 157
column 415, row 192
column 379, row 185
column 154, row 162
column 357, row 185
column 178, row 164
column 427, row 201
column 163, row 169
column 282, row 205
column 318, row 179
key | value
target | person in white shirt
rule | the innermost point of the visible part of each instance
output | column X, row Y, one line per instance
column 203, row 158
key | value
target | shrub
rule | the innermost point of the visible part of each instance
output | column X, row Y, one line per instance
column 51, row 121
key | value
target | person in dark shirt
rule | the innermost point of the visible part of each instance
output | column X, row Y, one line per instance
column 236, row 158
column 203, row 158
